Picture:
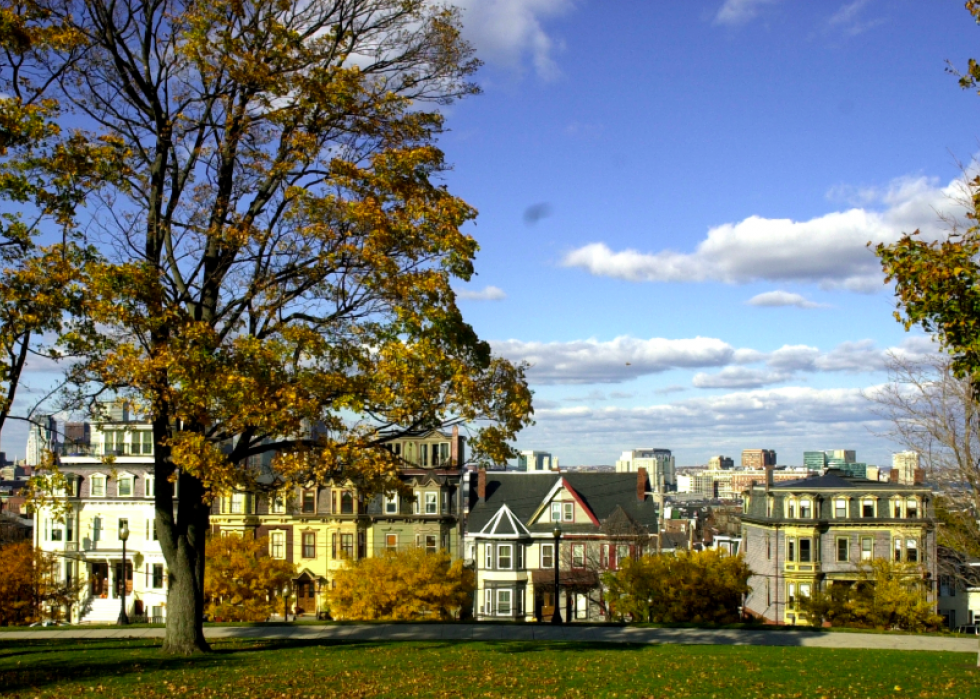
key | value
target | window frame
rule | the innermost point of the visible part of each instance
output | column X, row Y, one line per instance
column 277, row 544
column 308, row 542
column 547, row 553
column 806, row 508
column 568, row 512
column 578, row 556
column 431, row 502
column 869, row 549
column 555, row 511
column 391, row 542
column 840, row 508
column 505, row 556
column 501, row 610
column 431, row 543
column 867, row 502
column 843, row 547
column 391, row 504
column 102, row 480
column 129, row 480
column 488, row 556
column 308, row 501
column 806, row 551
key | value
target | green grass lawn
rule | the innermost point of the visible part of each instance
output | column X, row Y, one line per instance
column 268, row 669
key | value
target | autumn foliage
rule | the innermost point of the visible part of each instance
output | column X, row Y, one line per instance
column 402, row 586
column 692, row 586
column 242, row 582
column 29, row 587
column 886, row 595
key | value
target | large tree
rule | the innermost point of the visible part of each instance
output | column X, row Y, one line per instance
column 277, row 247
column 241, row 581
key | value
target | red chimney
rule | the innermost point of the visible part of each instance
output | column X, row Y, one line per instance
column 481, row 484
column 919, row 476
column 641, row 484
column 893, row 475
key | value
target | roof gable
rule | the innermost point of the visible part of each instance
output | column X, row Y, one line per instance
column 504, row 524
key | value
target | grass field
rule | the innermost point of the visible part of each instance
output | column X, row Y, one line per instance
column 274, row 669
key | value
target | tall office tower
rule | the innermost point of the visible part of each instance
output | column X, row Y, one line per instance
column 758, row 458
column 536, row 461
column 905, row 463
column 815, row 460
column 42, row 436
column 659, row 464
column 718, row 463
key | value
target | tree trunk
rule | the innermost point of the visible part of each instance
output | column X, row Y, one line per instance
column 185, row 601
column 182, row 540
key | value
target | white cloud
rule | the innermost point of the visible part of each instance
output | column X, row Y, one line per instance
column 739, row 377
column 772, row 299
column 621, row 359
column 489, row 293
column 740, row 11
column 849, row 18
column 507, row 31
column 830, row 250
column 789, row 419
column 626, row 358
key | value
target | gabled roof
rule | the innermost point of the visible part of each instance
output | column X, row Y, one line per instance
column 523, row 493
column 559, row 485
column 504, row 524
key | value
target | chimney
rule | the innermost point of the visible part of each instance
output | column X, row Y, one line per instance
column 641, row 484
column 893, row 475
column 481, row 484
column 769, row 479
column 919, row 476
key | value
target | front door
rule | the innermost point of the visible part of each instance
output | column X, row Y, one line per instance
column 99, row 579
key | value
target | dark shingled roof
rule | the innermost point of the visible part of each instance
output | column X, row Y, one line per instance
column 523, row 493
column 835, row 480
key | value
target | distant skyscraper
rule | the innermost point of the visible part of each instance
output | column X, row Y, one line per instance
column 815, row 460
column 659, row 464
column 536, row 461
column 758, row 458
column 718, row 463
column 41, row 437
column 906, row 463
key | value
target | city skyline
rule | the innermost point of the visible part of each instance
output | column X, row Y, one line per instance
column 675, row 203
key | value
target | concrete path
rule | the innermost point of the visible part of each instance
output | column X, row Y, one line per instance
column 534, row 632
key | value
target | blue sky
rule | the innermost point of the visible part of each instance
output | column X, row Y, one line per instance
column 675, row 199
column 674, row 204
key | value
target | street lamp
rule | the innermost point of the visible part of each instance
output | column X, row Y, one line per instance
column 556, row 617
column 123, row 536
column 285, row 603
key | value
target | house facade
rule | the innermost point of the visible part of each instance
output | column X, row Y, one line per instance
column 110, row 486
column 804, row 535
column 320, row 527
column 602, row 518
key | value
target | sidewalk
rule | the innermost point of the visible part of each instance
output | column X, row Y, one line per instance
column 535, row 632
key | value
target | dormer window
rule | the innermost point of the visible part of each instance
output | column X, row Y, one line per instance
column 791, row 509
column 98, row 485
column 868, row 507
column 840, row 508
column 124, row 486
column 911, row 508
column 806, row 508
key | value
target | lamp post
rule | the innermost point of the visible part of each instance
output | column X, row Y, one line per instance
column 123, row 536
column 285, row 603
column 556, row 617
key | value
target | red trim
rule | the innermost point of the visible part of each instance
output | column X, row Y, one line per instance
column 579, row 500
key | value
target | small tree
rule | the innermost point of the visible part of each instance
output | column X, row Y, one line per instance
column 692, row 586
column 29, row 586
column 886, row 595
column 400, row 586
column 241, row 580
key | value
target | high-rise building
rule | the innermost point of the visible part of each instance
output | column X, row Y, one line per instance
column 718, row 463
column 758, row 458
column 846, row 455
column 905, row 463
column 659, row 464
column 815, row 460
column 41, row 437
column 536, row 461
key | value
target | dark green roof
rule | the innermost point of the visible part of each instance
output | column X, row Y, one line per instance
column 523, row 493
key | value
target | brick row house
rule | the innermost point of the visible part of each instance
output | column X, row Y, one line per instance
column 804, row 535
column 510, row 540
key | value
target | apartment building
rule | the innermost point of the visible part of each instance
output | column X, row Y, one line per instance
column 803, row 535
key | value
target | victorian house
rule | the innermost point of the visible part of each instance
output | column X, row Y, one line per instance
column 109, row 496
column 320, row 527
column 804, row 535
column 519, row 523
